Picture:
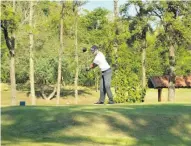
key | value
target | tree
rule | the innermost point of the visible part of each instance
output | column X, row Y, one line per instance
column 60, row 55
column 173, row 16
column 32, row 87
column 115, row 46
column 76, row 5
column 47, row 18
column 139, row 27
column 75, row 9
column 8, row 25
column 116, row 29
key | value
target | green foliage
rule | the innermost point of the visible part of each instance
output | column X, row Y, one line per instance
column 9, row 22
column 93, row 25
column 128, row 87
column 4, row 61
column 97, row 27
column 183, row 61
column 95, row 19
column 174, row 17
column 156, row 56
column 8, row 16
column 126, row 78
column 46, row 70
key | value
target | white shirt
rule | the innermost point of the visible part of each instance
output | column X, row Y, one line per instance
column 101, row 61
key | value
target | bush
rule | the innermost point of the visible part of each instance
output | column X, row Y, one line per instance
column 127, row 76
column 128, row 87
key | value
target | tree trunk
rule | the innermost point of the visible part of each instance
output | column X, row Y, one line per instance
column 115, row 8
column 171, row 88
column 32, row 88
column 143, row 61
column 13, row 80
column 12, row 67
column 50, row 96
column 76, row 55
column 116, row 30
column 10, row 43
column 60, row 58
column 115, row 3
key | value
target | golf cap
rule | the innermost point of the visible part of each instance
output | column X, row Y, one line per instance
column 94, row 48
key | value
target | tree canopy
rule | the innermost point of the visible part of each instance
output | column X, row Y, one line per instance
column 159, row 23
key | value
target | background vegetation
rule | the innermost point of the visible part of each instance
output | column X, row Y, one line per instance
column 123, row 38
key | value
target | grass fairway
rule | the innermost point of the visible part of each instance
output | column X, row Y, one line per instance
column 97, row 125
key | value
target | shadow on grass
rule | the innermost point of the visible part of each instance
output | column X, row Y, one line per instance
column 146, row 124
column 65, row 92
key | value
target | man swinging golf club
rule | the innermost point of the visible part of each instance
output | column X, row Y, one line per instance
column 105, row 82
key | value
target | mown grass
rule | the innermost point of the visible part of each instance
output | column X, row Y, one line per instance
column 91, row 125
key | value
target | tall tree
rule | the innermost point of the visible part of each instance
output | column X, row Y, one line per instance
column 76, row 49
column 8, row 25
column 171, row 45
column 174, row 17
column 76, row 6
column 116, row 45
column 115, row 2
column 47, row 18
column 116, row 15
column 32, row 87
column 139, row 27
column 60, row 55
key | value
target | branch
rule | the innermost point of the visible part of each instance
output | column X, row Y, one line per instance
column 136, row 10
column 52, row 94
column 7, row 39
column 62, row 11
column 157, row 15
column 43, row 95
column 25, row 20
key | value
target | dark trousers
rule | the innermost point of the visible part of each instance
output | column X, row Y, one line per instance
column 105, row 86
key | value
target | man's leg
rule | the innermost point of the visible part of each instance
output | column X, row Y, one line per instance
column 102, row 90
column 107, row 81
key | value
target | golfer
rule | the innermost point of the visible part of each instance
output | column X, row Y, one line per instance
column 105, row 82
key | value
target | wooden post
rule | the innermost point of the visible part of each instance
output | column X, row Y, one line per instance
column 159, row 94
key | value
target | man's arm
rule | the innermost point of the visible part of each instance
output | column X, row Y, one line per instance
column 93, row 65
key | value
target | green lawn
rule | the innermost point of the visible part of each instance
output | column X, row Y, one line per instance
column 94, row 125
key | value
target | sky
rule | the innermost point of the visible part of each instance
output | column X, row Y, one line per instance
column 108, row 4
